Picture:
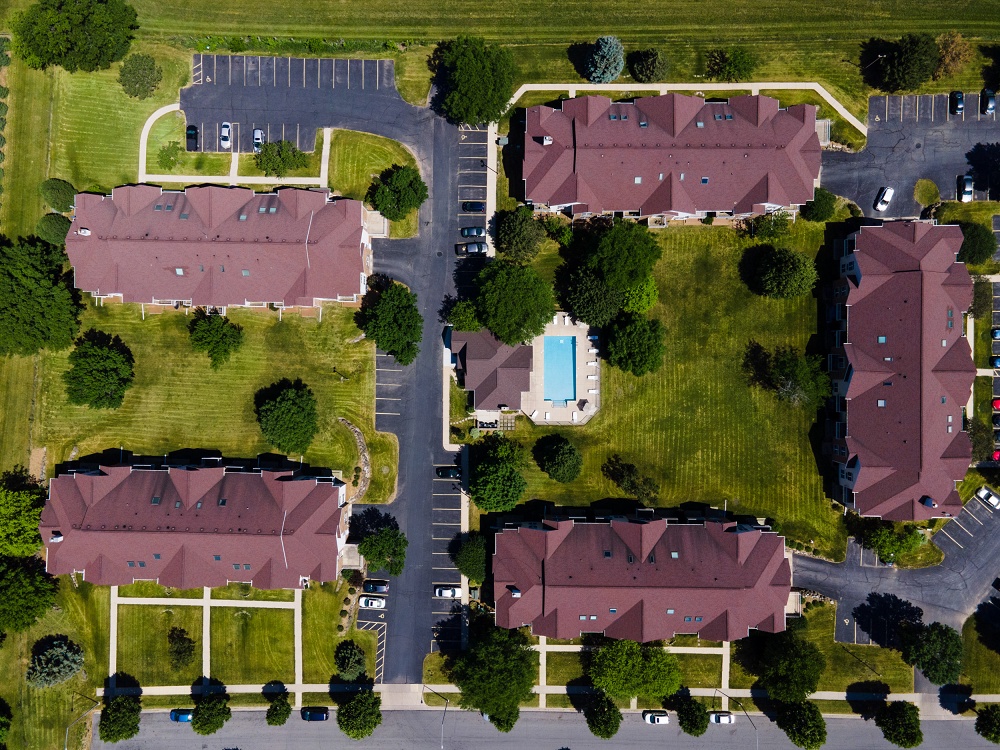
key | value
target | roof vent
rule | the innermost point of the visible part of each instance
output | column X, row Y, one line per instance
column 546, row 140
column 515, row 593
column 83, row 232
column 58, row 537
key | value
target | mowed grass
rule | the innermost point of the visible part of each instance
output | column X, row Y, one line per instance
column 700, row 670
column 41, row 715
column 321, row 606
column 17, row 375
column 980, row 662
column 143, row 646
column 562, row 666
column 246, row 592
column 171, row 128
column 27, row 159
column 695, row 426
column 252, row 646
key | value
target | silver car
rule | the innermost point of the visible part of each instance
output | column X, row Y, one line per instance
column 258, row 140
column 226, row 136
column 884, row 198
column 965, row 186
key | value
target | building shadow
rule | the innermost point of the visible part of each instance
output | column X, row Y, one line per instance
column 368, row 521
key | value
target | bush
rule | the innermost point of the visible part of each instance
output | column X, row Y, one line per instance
column 634, row 344
column 211, row 712
column 978, row 245
column 470, row 559
column 518, row 234
column 389, row 317
column 803, row 723
column 119, row 718
column 278, row 158
column 900, row 724
column 139, row 76
column 956, row 53
column 605, row 60
column 215, row 335
column 180, row 648
column 361, row 715
column 168, row 155
column 784, row 274
column 26, row 592
column 101, row 369
column 732, row 64
column 53, row 228
column 648, row 65
column 765, row 227
column 477, row 79
column 982, row 298
column 463, row 316
column 821, row 207
column 350, row 660
column 20, row 514
column 279, row 711
column 629, row 480
column 83, row 35
column 558, row 230
column 4, row 91
column 54, row 659
column 558, row 457
column 624, row 669
column 59, row 195
column 603, row 717
column 397, row 191
column 987, row 723
column 642, row 296
column 287, row 415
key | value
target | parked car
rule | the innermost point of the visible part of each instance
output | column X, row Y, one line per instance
column 192, row 137
column 474, row 207
column 473, row 232
column 225, row 136
column 656, row 717
column 448, row 472
column 721, row 717
column 996, row 421
column 181, row 714
column 884, row 198
column 471, row 248
column 448, row 592
column 965, row 188
column 372, row 602
column 995, row 334
column 315, row 713
column 996, row 404
column 996, row 456
column 987, row 496
column 957, row 102
column 258, row 140
column 375, row 586
column 987, row 102
column 995, row 362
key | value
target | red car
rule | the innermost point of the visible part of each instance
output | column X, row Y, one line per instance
column 996, row 455
column 996, row 404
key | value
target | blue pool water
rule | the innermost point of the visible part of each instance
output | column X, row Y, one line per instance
column 560, row 368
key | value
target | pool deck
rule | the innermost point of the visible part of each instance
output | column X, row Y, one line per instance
column 588, row 377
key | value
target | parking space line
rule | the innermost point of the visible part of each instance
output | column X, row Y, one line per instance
column 932, row 107
column 981, row 502
column 387, row 414
column 446, row 494
column 955, row 520
column 448, row 553
column 389, row 385
column 258, row 70
column 952, row 538
column 452, row 568
column 973, row 516
column 446, row 523
column 385, row 369
column 457, row 510
column 387, row 398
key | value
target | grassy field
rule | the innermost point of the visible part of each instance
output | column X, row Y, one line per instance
column 244, row 591
column 142, row 642
column 42, row 715
column 700, row 670
column 251, row 646
column 17, row 375
column 695, row 425
column 27, row 163
column 980, row 663
column 561, row 667
column 170, row 128
column 178, row 401
column 321, row 607
column 153, row 589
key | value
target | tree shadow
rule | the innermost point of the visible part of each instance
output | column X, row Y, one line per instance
column 580, row 692
column 120, row 683
column 872, row 61
column 204, row 686
column 271, row 392
column 756, row 364
column 46, row 642
column 956, row 698
column 984, row 166
column 991, row 70
column 987, row 622
column 273, row 689
column 342, row 692
column 866, row 697
column 882, row 615
column 370, row 521
column 578, row 54
column 19, row 480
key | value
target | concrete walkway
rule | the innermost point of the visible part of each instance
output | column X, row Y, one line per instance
column 665, row 88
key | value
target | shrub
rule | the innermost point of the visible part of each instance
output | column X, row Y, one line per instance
column 4, row 91
column 278, row 158
column 350, row 660
column 784, row 274
column 821, row 207
column 101, row 370
column 463, row 316
column 956, row 53
column 53, row 228
column 470, row 559
column 635, row 344
column 140, row 75
column 83, row 35
column 765, row 227
column 279, row 711
column 605, row 60
column 215, row 335
column 361, row 715
column 603, row 717
column 558, row 457
column 168, row 155
column 180, row 648
column 287, row 415
column 54, row 659
column 978, row 245
column 629, row 480
column 558, row 230
column 648, row 65
column 211, row 712
column 732, row 64
column 20, row 513
column 518, row 234
column 397, row 191
column 119, row 718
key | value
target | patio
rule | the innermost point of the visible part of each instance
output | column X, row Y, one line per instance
column 587, row 375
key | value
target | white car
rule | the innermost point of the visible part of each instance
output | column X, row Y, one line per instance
column 883, row 199
column 656, row 717
column 965, row 186
column 988, row 497
column 226, row 136
column 372, row 602
column 258, row 140
column 721, row 717
column 448, row 593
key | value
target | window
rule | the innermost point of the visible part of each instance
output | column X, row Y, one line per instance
column 886, row 382
column 246, row 566
column 142, row 563
column 704, row 180
column 850, row 476
column 944, row 399
column 950, row 419
column 887, row 359
column 179, row 271
column 594, row 617
column 222, row 502
column 246, row 272
column 643, row 124
column 158, row 207
column 687, row 619
column 197, row 504
column 243, row 217
column 951, row 324
column 624, row 117
column 944, row 342
column 718, row 117
column 949, row 429
column 661, row 175
column 156, row 555
column 670, row 611
column 262, row 209
column 583, row 617
column 222, row 268
column 881, row 339
column 613, row 610
column 700, row 124
column 951, row 313
column 156, row 500
column 612, row 117
column 698, row 619
column 201, row 267
column 177, row 504
column 217, row 558
column 881, row 403
column 184, row 216
column 729, row 117
column 631, row 559
column 638, row 180
column 131, row 563
column 607, row 553
column 652, row 557
column 236, row 566
column 674, row 555
column 170, row 207
column 272, row 210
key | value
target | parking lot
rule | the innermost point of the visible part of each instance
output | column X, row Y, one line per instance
column 446, row 518
column 909, row 137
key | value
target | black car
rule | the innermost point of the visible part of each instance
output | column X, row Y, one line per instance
column 374, row 586
column 192, row 137
column 957, row 102
column 448, row 472
column 987, row 102
column 474, row 207
column 315, row 713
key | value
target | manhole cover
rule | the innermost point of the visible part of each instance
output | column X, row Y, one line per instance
column 917, row 145
column 440, row 253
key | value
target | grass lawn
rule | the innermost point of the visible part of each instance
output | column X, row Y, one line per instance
column 142, row 642
column 17, row 376
column 252, row 646
column 458, row 402
column 700, row 670
column 562, row 666
column 178, row 401
column 840, row 130
column 40, row 716
column 925, row 556
column 695, row 426
column 434, row 670
column 244, row 591
column 314, row 159
column 980, row 663
column 151, row 589
column 321, row 605
column 170, row 128
column 28, row 131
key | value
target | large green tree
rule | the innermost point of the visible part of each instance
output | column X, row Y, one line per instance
column 911, row 62
column 397, row 191
column 349, row 659
column 389, row 317
column 624, row 255
column 287, row 415
column 900, row 724
column 496, row 484
column 20, row 512
column 361, row 715
column 463, row 316
column 784, row 273
column 514, row 302
column 591, row 299
column 211, row 712
column 978, row 243
column 215, row 335
column 624, row 669
column 278, row 158
column 821, row 207
column 120, row 718
column 605, row 60
column 558, row 457
column 635, row 344
column 798, row 378
column 83, row 35
column 477, row 79
column 279, row 710
column 101, row 369
column 139, row 76
column 53, row 228
column 58, row 194
column 603, row 716
column 791, row 667
column 385, row 549
column 54, row 659
column 988, row 722
column 936, row 650
column 38, row 308
column 496, row 673
column 692, row 716
column 26, row 592
column 648, row 65
column 180, row 648
column 803, row 723
column 519, row 234
column 470, row 559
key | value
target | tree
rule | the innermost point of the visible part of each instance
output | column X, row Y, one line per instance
column 5, row 721
column 629, row 480
column 496, row 673
column 350, row 660
column 140, row 75
column 279, row 711
column 692, row 716
column 385, row 550
column 821, row 207
column 54, row 659
column 83, row 35
column 514, row 302
column 605, row 60
column 732, row 64
column 20, row 513
column 558, row 457
column 956, row 54
column 803, row 723
column 278, row 158
column 987, row 722
column 518, row 234
column 463, row 316
column 101, row 369
column 211, row 712
column 791, row 667
column 765, row 227
column 624, row 669
column 53, row 228
column 936, row 650
column 59, row 195
column 120, row 718
column 26, row 592
column 648, row 65
column 470, row 559
column 169, row 155
column 214, row 334
column 603, row 717
column 361, row 715
column 911, row 62
column 661, row 673
column 900, row 724
column 624, row 255
column 982, row 298
column 496, row 484
column 591, row 299
column 978, row 245
column 389, row 316
column 641, row 297
column 397, row 191
column 799, row 379
column 477, row 79
column 635, row 344
column 887, row 539
column 180, row 648
column 784, row 274
column 286, row 413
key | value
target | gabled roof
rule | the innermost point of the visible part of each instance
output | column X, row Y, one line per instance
column 642, row 581
column 496, row 373
column 671, row 154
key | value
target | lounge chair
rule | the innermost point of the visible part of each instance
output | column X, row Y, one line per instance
column 573, row 416
column 548, row 416
column 591, row 377
column 592, row 390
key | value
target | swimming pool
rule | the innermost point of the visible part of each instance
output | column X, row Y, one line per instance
column 560, row 368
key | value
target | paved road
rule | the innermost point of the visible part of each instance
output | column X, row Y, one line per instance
column 421, row 730
column 909, row 137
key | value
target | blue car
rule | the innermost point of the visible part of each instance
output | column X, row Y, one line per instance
column 315, row 713
column 995, row 333
column 181, row 714
column 995, row 362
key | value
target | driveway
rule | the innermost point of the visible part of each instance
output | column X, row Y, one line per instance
column 909, row 137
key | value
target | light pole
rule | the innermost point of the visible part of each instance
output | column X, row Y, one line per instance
column 756, row 736
column 443, row 713
column 879, row 57
column 85, row 713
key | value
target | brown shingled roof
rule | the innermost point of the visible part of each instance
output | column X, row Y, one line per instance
column 642, row 581
column 274, row 525
column 671, row 155
column 219, row 246
column 497, row 374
